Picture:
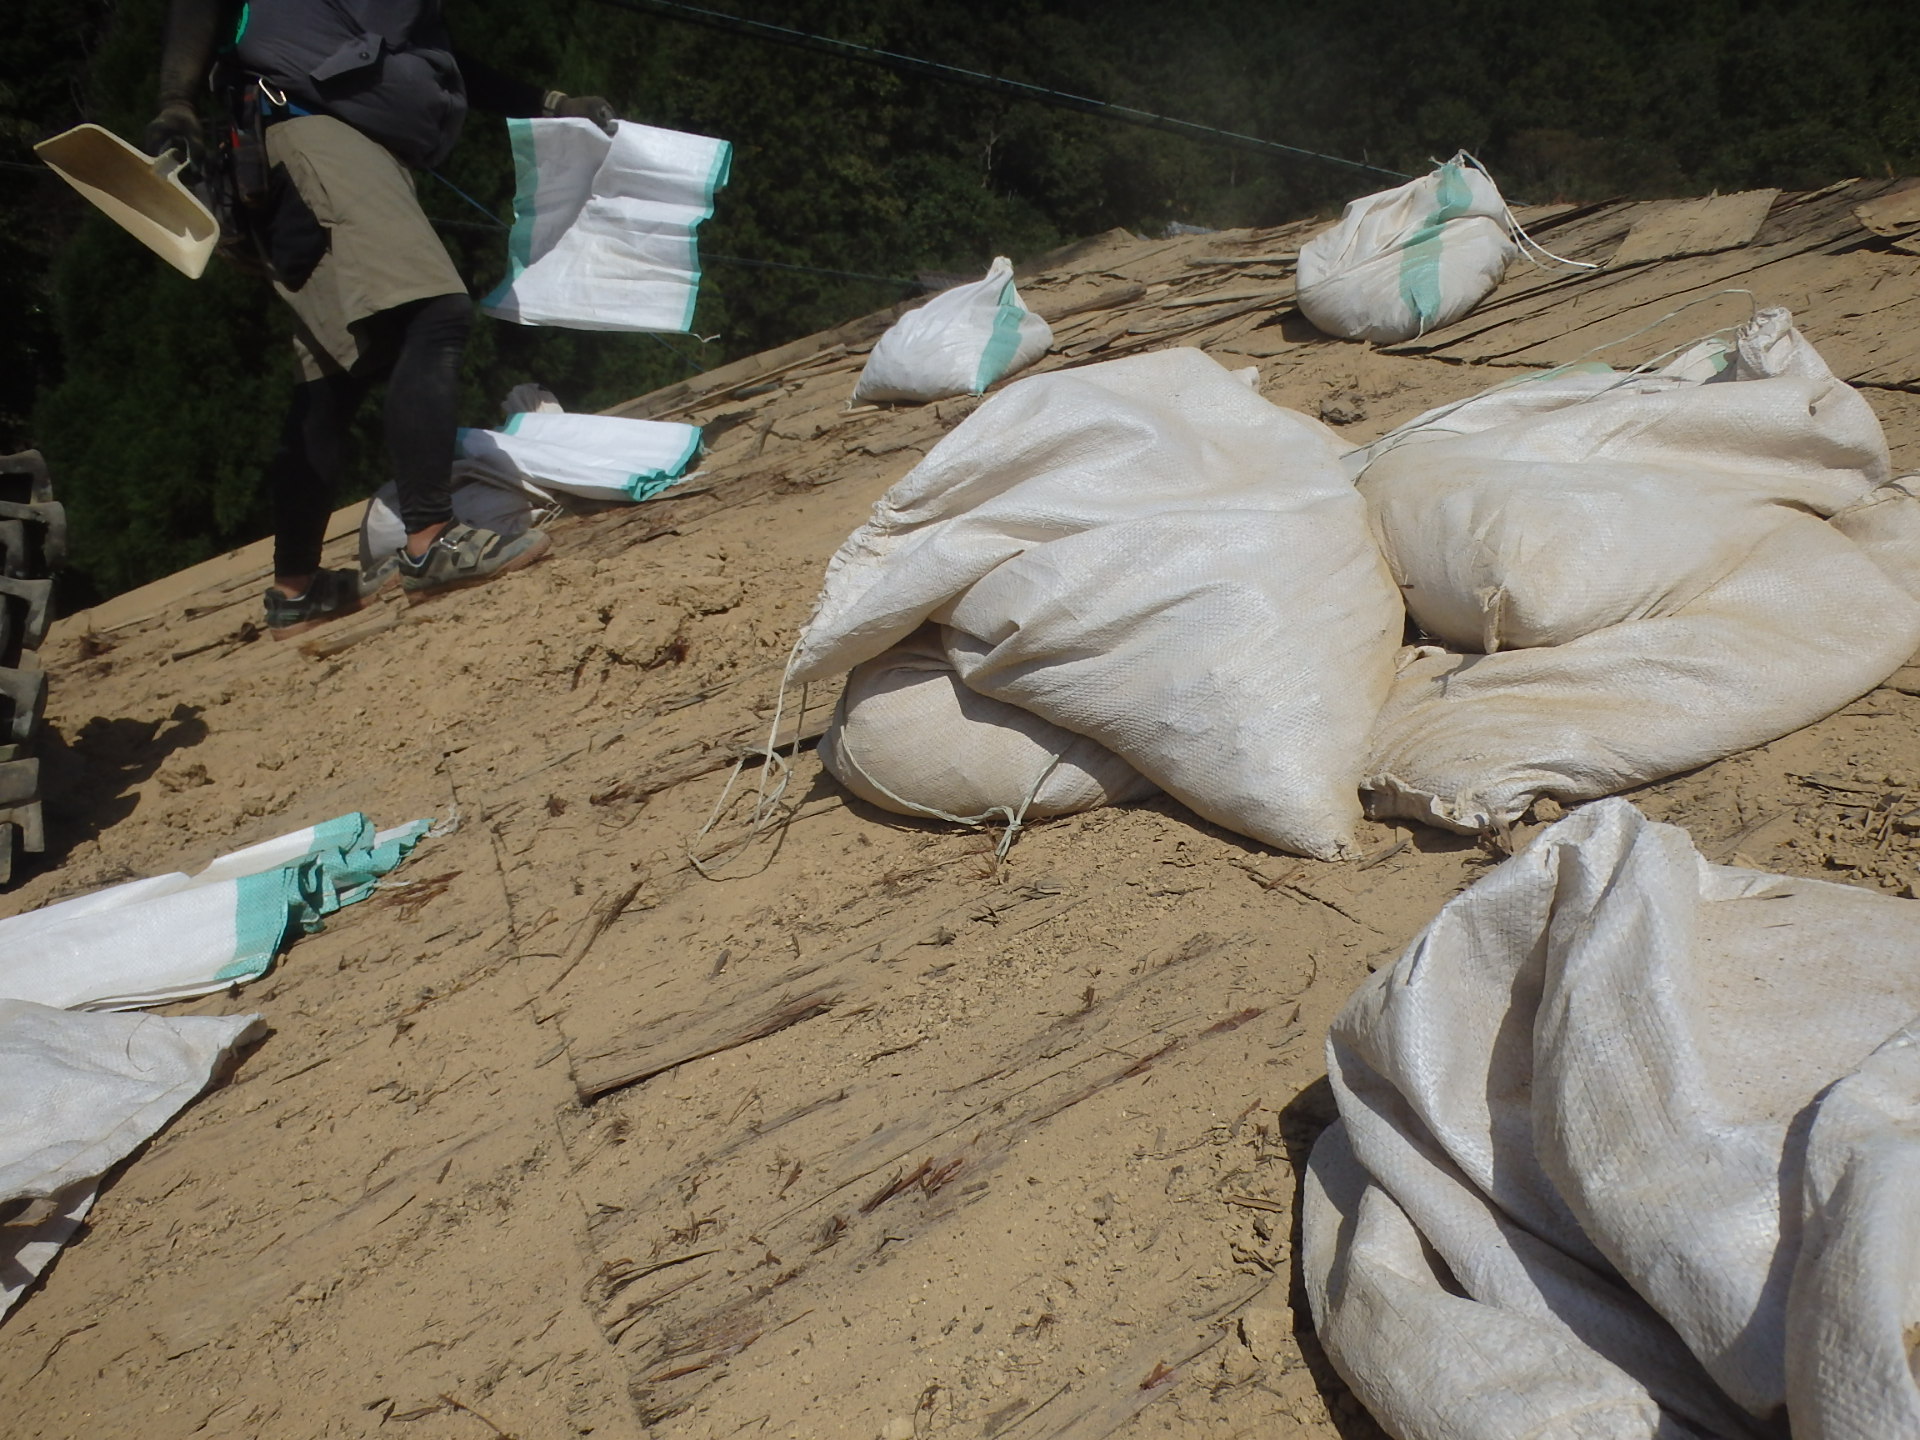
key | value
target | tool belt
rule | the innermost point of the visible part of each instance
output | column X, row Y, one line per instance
column 265, row 226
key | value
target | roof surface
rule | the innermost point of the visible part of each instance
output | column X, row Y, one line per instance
column 873, row 1131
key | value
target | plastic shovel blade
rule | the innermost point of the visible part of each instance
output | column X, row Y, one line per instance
column 140, row 194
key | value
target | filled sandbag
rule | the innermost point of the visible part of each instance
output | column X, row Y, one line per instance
column 960, row 342
column 1627, row 1148
column 604, row 225
column 910, row 738
column 1147, row 554
column 1633, row 575
column 1408, row 260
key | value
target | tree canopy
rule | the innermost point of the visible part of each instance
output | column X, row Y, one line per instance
column 157, row 399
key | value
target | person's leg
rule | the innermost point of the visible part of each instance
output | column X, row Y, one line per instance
column 304, row 473
column 421, row 411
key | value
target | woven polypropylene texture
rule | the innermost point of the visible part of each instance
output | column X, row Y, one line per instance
column 1407, row 260
column 1148, row 554
column 958, row 343
column 1628, row 1143
column 1635, row 580
column 908, row 730
column 82, row 1092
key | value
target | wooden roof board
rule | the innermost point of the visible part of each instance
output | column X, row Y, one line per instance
column 1695, row 227
column 583, row 767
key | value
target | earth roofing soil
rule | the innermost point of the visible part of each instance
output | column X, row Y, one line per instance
column 883, row 1138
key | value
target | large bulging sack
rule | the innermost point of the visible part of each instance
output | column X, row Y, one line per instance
column 1148, row 554
column 1634, row 575
column 910, row 738
column 1410, row 260
column 1628, row 1145
column 960, row 342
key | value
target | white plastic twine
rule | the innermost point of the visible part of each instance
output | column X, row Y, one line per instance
column 776, row 772
column 1625, row 377
column 1529, row 247
column 1013, row 817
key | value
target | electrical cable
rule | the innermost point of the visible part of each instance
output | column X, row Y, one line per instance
column 1000, row 85
column 687, row 360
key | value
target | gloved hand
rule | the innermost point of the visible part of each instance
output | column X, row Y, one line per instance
column 176, row 127
column 583, row 107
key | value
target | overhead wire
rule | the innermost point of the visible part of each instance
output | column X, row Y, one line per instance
column 980, row 80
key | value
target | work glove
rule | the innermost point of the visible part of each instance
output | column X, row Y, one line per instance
column 176, row 127
column 582, row 107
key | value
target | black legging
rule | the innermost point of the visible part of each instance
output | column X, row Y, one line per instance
column 418, row 347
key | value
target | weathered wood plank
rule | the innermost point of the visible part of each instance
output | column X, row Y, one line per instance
column 1696, row 227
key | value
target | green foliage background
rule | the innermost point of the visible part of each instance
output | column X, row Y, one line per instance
column 156, row 399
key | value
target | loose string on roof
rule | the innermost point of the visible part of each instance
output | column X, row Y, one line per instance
column 1529, row 247
column 776, row 772
column 1011, row 817
column 978, row 80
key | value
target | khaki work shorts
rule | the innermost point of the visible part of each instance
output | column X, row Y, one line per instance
column 383, row 251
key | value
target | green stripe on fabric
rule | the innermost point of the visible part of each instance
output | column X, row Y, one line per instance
column 267, row 906
column 647, row 484
column 526, row 171
column 1003, row 342
column 259, row 923
column 512, row 427
column 1420, row 257
column 721, row 172
column 345, row 832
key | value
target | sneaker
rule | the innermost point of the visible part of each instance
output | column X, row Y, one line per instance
column 463, row 555
column 333, row 595
column 383, row 577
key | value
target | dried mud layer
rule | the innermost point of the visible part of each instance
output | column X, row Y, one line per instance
column 867, row 1136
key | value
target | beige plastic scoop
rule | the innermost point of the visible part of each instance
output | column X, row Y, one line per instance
column 140, row 194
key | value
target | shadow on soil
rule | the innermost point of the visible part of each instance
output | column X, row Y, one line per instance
column 1301, row 1122
column 87, row 782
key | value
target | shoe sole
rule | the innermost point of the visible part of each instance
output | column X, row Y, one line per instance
column 287, row 632
column 425, row 593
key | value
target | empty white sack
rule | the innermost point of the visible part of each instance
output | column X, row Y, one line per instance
column 909, row 737
column 1633, row 575
column 1407, row 260
column 175, row 936
column 537, row 464
column 1628, row 1146
column 78, row 1094
column 960, row 342
column 604, row 225
column 1148, row 554
column 593, row 457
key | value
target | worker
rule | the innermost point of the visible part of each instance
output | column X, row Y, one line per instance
column 331, row 108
